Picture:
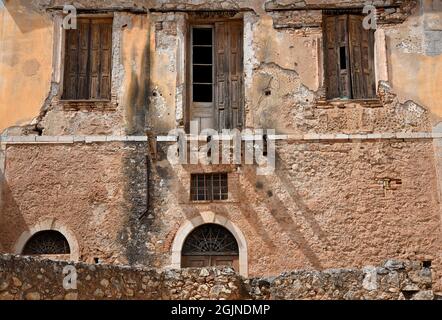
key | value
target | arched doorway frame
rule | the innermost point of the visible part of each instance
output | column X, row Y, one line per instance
column 48, row 225
column 206, row 218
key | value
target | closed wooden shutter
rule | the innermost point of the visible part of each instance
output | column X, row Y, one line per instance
column 221, row 76
column 106, row 60
column 357, row 79
column 331, row 57
column 83, row 62
column 71, row 64
column 228, row 75
column 236, row 75
column 349, row 58
column 88, row 60
column 362, row 59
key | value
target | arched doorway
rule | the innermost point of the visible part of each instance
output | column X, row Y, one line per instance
column 47, row 242
column 210, row 245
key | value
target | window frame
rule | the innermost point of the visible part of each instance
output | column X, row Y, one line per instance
column 325, row 67
column 202, row 26
column 72, row 102
column 209, row 187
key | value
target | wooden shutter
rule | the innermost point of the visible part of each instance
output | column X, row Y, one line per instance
column 71, row 65
column 106, row 58
column 88, row 60
column 357, row 79
column 83, row 61
column 331, row 45
column 235, row 74
column 229, row 75
column 221, row 76
column 343, row 57
column 76, row 63
column 100, row 57
column 362, row 59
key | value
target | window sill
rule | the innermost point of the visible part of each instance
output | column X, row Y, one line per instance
column 209, row 201
column 347, row 103
column 89, row 105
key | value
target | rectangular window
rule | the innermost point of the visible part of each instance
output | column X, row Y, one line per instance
column 216, row 75
column 209, row 187
column 349, row 58
column 88, row 56
column 202, row 64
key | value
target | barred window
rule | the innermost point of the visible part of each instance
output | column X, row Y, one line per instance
column 47, row 242
column 209, row 187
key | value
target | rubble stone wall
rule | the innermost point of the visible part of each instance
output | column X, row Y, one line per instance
column 34, row 279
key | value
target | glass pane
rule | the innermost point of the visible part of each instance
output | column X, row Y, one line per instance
column 202, row 74
column 202, row 36
column 202, row 55
column 202, row 93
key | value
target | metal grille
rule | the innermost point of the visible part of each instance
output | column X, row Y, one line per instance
column 47, row 242
column 209, row 187
column 210, row 239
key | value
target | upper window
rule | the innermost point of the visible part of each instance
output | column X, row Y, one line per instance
column 46, row 242
column 209, row 187
column 349, row 58
column 87, row 74
column 216, row 75
column 202, row 64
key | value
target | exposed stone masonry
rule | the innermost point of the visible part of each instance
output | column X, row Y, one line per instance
column 34, row 279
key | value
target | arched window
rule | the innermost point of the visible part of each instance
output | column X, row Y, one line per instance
column 210, row 245
column 47, row 242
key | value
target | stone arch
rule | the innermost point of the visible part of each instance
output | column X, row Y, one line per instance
column 48, row 225
column 209, row 217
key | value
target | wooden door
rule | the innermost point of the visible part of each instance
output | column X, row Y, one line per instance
column 210, row 261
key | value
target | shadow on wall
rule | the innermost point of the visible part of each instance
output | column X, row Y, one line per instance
column 255, row 227
column 12, row 224
column 25, row 14
column 138, row 94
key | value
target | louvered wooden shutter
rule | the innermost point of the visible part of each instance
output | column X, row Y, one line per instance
column 357, row 78
column 71, row 65
column 362, row 59
column 88, row 60
column 83, row 63
column 100, row 55
column 235, row 74
column 228, row 75
column 221, row 76
column 76, row 66
column 331, row 57
column 343, row 57
column 106, row 58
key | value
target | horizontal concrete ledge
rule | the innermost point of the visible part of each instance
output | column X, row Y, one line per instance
column 314, row 137
column 311, row 137
column 68, row 139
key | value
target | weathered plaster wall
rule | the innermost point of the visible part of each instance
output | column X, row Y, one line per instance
column 25, row 278
column 149, row 64
column 84, row 187
column 415, row 57
column 25, row 62
column 325, row 205
column 126, row 112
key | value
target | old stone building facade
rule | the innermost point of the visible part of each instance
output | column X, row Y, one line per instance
column 84, row 115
